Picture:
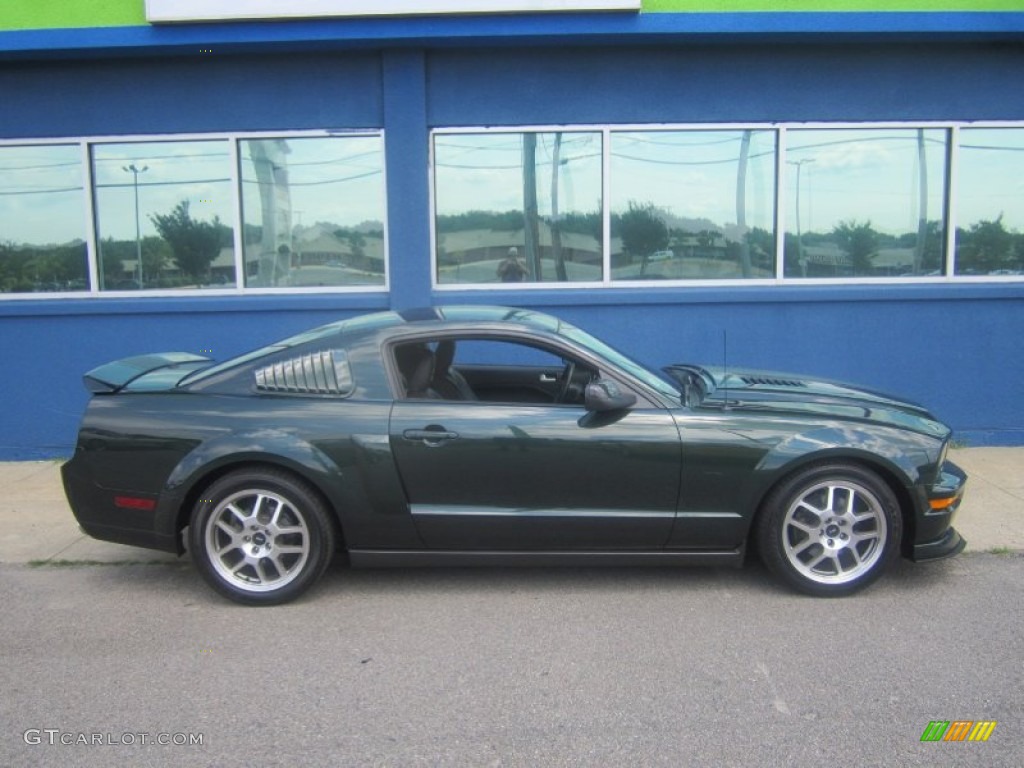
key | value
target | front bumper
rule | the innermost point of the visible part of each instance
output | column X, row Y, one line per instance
column 935, row 537
column 951, row 543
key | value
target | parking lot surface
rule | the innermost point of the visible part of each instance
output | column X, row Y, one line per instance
column 509, row 667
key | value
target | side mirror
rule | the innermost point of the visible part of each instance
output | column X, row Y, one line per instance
column 604, row 395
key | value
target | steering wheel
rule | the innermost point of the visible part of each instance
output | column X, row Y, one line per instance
column 567, row 374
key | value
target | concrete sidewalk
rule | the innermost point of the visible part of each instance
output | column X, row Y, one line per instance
column 38, row 526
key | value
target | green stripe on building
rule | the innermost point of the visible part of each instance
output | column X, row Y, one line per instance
column 57, row 14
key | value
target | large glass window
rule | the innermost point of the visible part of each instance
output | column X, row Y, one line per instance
column 163, row 213
column 990, row 202
column 518, row 207
column 693, row 204
column 42, row 220
column 865, row 202
column 572, row 206
column 313, row 211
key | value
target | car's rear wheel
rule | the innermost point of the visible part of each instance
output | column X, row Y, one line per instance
column 830, row 530
column 261, row 536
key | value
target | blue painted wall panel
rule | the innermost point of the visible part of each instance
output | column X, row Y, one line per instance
column 408, row 189
column 89, row 98
column 715, row 83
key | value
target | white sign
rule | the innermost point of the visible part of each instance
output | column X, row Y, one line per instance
column 234, row 10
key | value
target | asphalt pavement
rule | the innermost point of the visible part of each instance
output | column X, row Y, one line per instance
column 511, row 668
column 37, row 526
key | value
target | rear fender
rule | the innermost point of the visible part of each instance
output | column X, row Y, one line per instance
column 263, row 446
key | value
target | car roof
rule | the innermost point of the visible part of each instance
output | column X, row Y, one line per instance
column 473, row 315
column 443, row 315
column 380, row 325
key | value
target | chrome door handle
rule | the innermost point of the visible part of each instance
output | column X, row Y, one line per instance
column 546, row 378
column 429, row 435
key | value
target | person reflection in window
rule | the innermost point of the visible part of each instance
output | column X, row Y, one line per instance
column 511, row 269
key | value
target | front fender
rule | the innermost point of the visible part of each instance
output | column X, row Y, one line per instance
column 907, row 455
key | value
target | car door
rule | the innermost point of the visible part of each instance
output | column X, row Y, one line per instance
column 534, row 475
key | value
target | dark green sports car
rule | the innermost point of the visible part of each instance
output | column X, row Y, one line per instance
column 489, row 435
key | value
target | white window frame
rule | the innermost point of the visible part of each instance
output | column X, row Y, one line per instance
column 233, row 139
column 951, row 160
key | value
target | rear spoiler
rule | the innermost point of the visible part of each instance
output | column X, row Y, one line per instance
column 115, row 376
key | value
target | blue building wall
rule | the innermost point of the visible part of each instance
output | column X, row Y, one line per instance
column 100, row 97
column 716, row 82
column 956, row 347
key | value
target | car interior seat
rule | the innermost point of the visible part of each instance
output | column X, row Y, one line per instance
column 416, row 366
column 448, row 382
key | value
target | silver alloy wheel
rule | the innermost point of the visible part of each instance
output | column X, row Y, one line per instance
column 834, row 532
column 256, row 540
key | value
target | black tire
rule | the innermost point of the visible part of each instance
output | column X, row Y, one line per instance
column 261, row 536
column 830, row 529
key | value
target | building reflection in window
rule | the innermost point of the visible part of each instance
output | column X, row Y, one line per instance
column 518, row 207
column 313, row 211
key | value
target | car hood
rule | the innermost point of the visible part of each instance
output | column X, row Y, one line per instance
column 793, row 394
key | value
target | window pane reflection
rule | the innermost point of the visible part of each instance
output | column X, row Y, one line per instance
column 865, row 203
column 42, row 220
column 162, row 215
column 518, row 207
column 990, row 202
column 693, row 205
column 313, row 210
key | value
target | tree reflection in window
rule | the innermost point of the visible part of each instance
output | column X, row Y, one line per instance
column 42, row 226
column 161, row 213
column 990, row 202
column 865, row 202
column 695, row 204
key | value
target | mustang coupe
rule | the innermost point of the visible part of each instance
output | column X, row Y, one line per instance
column 490, row 435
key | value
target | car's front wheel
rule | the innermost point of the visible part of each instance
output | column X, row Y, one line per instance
column 830, row 529
column 260, row 536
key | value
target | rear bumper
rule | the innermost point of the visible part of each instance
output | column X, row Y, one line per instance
column 936, row 537
column 99, row 516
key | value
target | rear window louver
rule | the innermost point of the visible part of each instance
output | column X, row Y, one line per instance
column 770, row 382
column 319, row 373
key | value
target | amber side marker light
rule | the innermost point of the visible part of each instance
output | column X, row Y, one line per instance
column 938, row 504
column 134, row 502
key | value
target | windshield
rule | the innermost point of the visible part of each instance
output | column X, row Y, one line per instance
column 652, row 379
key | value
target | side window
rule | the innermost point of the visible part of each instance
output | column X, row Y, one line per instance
column 504, row 354
column 489, row 370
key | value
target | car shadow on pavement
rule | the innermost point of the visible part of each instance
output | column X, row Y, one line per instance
column 179, row 580
column 753, row 579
